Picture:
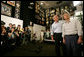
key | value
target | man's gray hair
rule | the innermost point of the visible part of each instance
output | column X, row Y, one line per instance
column 55, row 16
column 65, row 11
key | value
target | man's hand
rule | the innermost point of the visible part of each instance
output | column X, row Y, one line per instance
column 52, row 37
column 79, row 40
column 17, row 34
column 63, row 40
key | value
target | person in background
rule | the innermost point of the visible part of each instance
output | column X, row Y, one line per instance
column 19, row 28
column 56, row 33
column 26, row 34
column 3, row 36
column 11, row 37
column 9, row 28
column 14, row 26
column 72, row 35
column 48, row 34
column 45, row 35
column 34, row 38
column 11, row 34
column 17, row 38
column 20, row 33
column 41, row 36
column 29, row 34
column 22, row 37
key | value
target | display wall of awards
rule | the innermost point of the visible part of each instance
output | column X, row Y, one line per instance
column 6, row 9
column 49, row 16
column 39, row 12
column 11, row 3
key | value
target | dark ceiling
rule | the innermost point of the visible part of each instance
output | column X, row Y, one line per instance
column 53, row 4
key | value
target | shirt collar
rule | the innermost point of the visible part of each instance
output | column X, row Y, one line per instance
column 56, row 22
column 67, row 22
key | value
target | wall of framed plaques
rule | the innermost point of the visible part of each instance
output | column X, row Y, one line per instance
column 49, row 16
column 40, row 14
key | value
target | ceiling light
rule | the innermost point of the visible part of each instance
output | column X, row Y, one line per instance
column 31, row 3
column 41, row 3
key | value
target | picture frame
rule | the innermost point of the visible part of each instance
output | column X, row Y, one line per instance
column 11, row 3
column 6, row 9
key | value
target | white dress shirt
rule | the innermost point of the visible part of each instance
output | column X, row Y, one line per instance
column 56, row 27
column 72, row 27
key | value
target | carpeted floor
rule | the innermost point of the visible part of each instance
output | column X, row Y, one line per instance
column 33, row 49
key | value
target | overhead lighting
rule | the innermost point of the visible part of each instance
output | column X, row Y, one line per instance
column 31, row 3
column 75, row 3
column 41, row 3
